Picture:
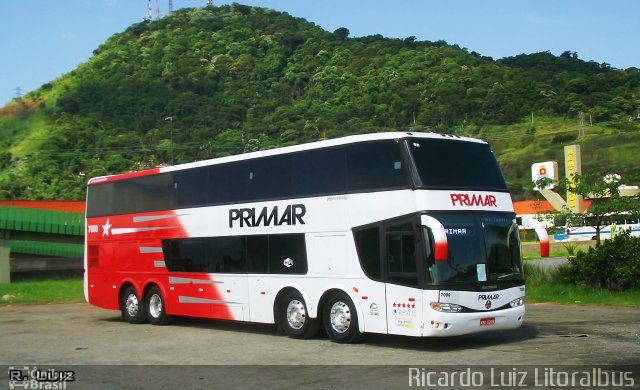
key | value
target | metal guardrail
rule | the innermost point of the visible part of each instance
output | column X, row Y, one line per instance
column 41, row 221
column 37, row 232
column 55, row 249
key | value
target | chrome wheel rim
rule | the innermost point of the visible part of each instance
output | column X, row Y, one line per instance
column 296, row 314
column 155, row 306
column 340, row 317
column 132, row 305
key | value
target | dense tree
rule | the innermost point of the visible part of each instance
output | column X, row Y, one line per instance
column 237, row 78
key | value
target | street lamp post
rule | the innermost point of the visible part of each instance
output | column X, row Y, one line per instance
column 170, row 119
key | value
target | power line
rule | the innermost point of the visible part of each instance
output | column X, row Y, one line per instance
column 198, row 145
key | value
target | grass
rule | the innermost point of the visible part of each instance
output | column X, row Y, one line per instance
column 549, row 285
column 42, row 291
column 536, row 255
column 566, row 293
column 554, row 252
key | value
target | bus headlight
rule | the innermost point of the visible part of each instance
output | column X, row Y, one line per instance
column 517, row 302
column 446, row 307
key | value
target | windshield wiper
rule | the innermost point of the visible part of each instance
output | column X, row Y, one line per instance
column 508, row 275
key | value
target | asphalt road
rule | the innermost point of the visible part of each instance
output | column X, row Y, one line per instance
column 90, row 341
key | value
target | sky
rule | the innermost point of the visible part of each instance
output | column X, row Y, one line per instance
column 41, row 40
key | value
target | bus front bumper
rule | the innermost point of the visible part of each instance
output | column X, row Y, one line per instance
column 453, row 324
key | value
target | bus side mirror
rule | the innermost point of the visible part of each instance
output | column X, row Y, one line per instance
column 440, row 244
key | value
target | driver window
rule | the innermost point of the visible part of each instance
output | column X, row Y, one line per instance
column 401, row 254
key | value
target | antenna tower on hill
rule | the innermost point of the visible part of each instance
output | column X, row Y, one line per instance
column 209, row 2
column 148, row 18
column 170, row 6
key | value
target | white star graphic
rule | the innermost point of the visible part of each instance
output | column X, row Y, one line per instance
column 105, row 228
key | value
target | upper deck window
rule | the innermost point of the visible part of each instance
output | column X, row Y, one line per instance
column 454, row 164
column 360, row 167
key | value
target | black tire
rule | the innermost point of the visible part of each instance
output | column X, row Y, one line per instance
column 340, row 319
column 132, row 307
column 155, row 307
column 294, row 317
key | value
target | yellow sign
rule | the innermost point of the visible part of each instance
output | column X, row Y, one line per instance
column 573, row 166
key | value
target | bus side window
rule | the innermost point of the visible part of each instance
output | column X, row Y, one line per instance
column 269, row 178
column 257, row 252
column 227, row 183
column 190, row 187
column 287, row 254
column 368, row 247
column 101, row 198
column 375, row 166
column 401, row 255
column 184, row 255
column 227, row 254
column 319, row 172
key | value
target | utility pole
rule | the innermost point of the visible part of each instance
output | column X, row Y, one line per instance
column 581, row 131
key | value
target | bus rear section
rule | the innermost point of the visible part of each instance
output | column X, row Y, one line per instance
column 585, row 229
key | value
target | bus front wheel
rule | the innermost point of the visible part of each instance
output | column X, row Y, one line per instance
column 341, row 319
column 294, row 317
column 156, row 313
column 132, row 307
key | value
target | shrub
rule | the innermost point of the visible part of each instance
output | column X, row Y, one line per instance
column 538, row 275
column 615, row 264
column 571, row 248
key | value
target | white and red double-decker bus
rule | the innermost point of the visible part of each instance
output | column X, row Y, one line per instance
column 400, row 233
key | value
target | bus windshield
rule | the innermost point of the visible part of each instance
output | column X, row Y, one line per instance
column 452, row 164
column 483, row 248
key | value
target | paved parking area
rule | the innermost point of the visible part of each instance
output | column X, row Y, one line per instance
column 67, row 335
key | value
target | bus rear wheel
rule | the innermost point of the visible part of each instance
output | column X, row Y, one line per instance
column 341, row 319
column 154, row 303
column 294, row 317
column 132, row 307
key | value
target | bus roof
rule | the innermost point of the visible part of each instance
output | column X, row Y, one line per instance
column 283, row 150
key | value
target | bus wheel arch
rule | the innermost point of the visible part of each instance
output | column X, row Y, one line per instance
column 131, row 304
column 340, row 317
column 291, row 313
column 155, row 305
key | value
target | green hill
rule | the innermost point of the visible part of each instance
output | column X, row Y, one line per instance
column 236, row 78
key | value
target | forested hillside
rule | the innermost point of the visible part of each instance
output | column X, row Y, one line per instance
column 215, row 81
